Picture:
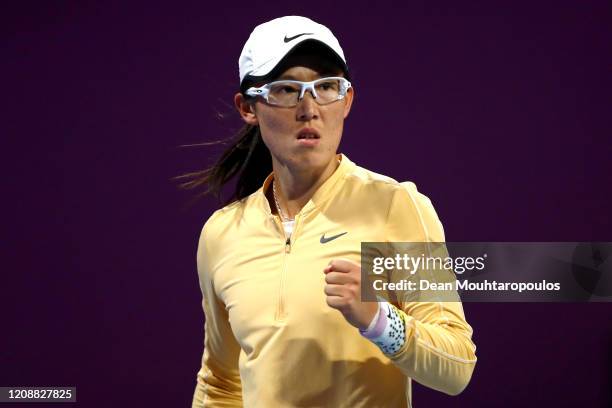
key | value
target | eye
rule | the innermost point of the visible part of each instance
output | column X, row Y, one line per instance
column 328, row 86
column 287, row 89
column 284, row 89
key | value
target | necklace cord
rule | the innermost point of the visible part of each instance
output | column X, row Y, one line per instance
column 278, row 207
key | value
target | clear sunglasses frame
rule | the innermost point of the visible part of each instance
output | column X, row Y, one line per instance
column 264, row 90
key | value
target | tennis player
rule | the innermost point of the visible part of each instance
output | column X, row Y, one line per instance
column 279, row 266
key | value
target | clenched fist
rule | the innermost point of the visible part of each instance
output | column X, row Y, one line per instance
column 343, row 290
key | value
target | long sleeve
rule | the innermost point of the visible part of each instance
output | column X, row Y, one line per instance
column 218, row 381
column 438, row 351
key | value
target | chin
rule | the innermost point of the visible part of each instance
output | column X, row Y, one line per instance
column 314, row 159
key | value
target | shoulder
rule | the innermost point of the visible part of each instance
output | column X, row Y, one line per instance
column 406, row 208
column 222, row 222
column 385, row 186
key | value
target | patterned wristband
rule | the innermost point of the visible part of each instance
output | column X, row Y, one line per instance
column 393, row 334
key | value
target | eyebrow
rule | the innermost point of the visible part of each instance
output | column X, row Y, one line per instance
column 292, row 78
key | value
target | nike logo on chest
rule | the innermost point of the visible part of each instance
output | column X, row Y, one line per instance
column 325, row 239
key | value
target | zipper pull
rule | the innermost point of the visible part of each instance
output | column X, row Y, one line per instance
column 288, row 245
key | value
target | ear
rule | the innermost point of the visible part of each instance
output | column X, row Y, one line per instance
column 246, row 109
column 348, row 98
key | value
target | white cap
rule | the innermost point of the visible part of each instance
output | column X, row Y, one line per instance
column 271, row 41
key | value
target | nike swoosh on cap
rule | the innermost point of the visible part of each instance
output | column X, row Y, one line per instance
column 287, row 39
column 325, row 240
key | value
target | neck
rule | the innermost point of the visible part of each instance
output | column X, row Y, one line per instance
column 295, row 187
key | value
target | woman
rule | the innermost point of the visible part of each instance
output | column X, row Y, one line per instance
column 279, row 266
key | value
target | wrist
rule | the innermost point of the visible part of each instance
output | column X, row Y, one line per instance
column 377, row 323
column 389, row 333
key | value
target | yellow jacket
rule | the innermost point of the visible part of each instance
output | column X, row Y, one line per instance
column 271, row 340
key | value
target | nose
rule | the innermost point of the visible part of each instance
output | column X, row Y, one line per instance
column 307, row 107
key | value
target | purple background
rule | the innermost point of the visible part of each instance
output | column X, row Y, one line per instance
column 500, row 114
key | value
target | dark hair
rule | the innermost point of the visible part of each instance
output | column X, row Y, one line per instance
column 247, row 157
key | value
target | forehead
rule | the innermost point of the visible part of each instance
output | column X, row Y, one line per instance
column 306, row 73
column 315, row 62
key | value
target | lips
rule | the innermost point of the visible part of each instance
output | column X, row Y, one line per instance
column 308, row 133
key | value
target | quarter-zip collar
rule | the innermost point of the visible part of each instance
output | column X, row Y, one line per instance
column 323, row 193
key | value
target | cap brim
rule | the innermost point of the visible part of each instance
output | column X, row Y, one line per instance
column 274, row 67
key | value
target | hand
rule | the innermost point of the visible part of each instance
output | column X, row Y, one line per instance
column 343, row 290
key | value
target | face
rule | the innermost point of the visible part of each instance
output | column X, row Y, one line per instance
column 280, row 127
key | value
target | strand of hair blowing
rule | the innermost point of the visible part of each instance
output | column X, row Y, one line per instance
column 247, row 157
